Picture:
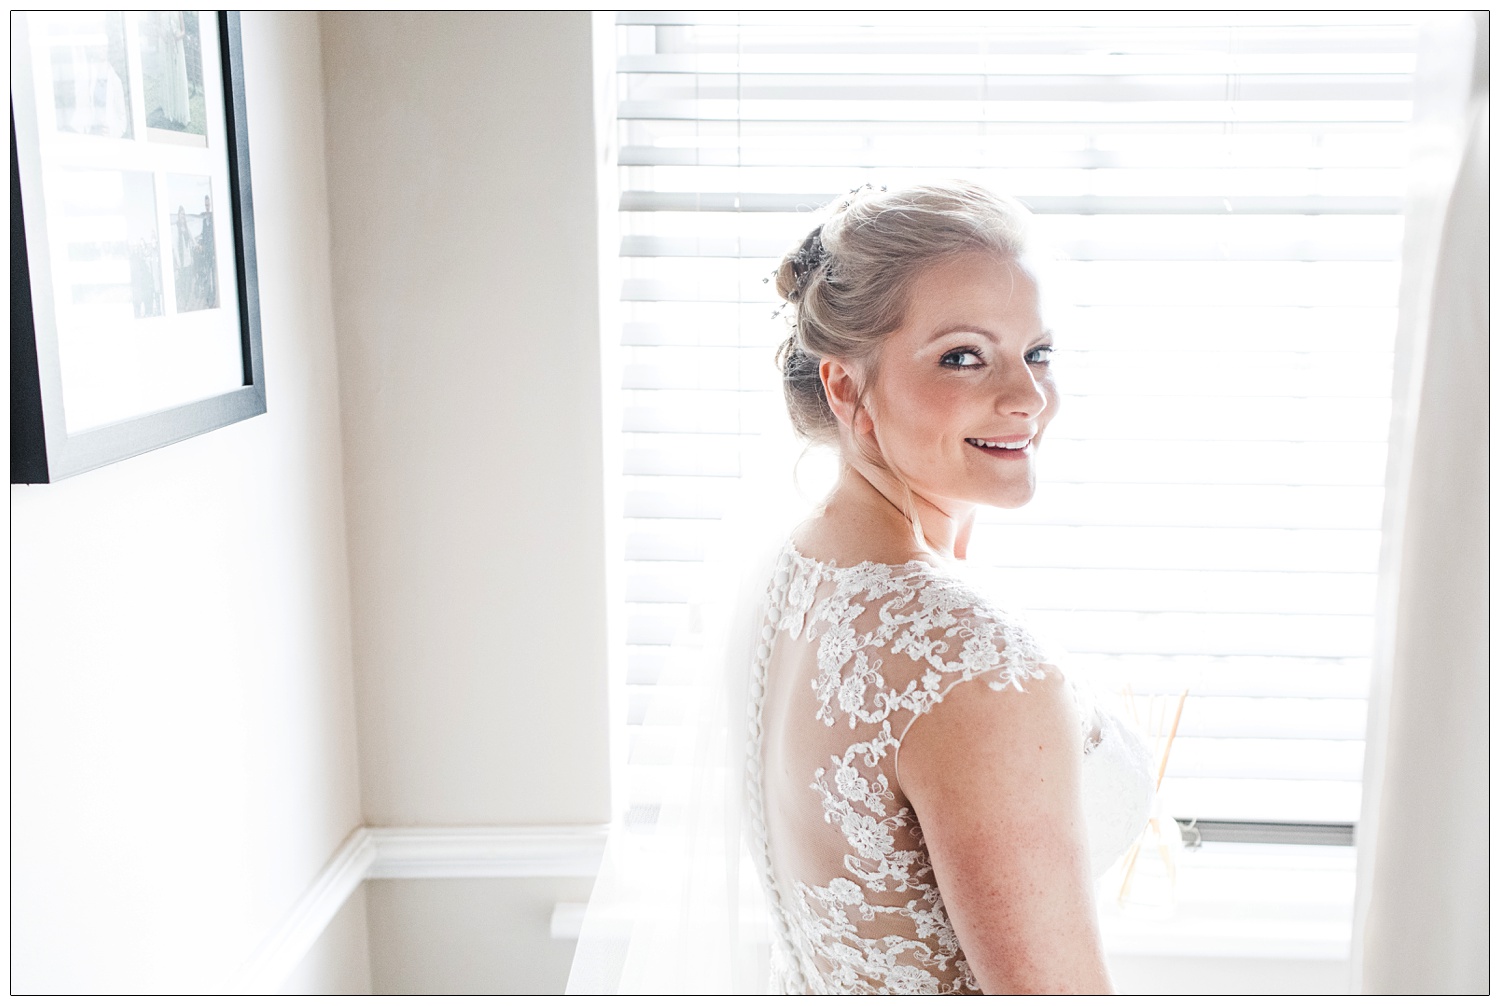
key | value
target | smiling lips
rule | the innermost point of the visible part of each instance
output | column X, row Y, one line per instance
column 1020, row 447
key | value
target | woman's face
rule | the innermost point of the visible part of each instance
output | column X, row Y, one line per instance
column 963, row 391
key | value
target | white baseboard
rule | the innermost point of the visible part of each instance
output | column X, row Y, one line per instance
column 280, row 953
column 416, row 854
column 540, row 851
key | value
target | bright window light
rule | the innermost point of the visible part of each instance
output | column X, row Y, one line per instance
column 1226, row 197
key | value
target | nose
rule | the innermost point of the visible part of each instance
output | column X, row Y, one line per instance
column 1020, row 393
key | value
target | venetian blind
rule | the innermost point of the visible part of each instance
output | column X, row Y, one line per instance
column 1227, row 199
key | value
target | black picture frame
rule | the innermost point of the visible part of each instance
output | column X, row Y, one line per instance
column 42, row 447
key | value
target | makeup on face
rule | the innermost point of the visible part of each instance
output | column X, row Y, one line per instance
column 964, row 390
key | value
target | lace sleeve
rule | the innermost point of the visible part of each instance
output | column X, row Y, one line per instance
column 947, row 634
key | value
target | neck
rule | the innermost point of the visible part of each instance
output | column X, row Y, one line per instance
column 871, row 498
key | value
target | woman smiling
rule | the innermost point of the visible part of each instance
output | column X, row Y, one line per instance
column 929, row 795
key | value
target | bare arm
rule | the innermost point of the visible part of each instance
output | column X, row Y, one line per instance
column 995, row 781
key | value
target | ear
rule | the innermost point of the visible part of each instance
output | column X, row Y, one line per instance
column 842, row 387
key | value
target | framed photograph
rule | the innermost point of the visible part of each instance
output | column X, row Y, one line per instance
column 135, row 318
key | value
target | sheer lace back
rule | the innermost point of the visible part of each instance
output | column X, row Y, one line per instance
column 849, row 658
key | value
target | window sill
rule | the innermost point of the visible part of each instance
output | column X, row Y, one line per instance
column 1234, row 900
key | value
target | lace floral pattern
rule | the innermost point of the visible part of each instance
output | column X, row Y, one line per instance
column 880, row 927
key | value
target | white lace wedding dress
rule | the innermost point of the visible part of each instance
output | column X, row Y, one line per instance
column 848, row 658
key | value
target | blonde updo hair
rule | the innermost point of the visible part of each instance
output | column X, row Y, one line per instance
column 846, row 284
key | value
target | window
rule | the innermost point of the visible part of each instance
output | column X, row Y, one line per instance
column 1227, row 195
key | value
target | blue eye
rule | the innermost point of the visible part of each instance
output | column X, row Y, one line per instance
column 962, row 359
column 1041, row 354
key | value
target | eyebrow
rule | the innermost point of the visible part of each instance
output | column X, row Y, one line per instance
column 956, row 329
column 1045, row 333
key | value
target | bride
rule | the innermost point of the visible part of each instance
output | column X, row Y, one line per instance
column 929, row 798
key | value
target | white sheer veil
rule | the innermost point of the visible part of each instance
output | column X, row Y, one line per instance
column 677, row 906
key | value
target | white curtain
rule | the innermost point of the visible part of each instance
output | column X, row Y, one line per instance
column 1422, row 906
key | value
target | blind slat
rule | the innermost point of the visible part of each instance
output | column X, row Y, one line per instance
column 777, row 202
column 1270, row 64
column 971, row 112
column 1097, row 504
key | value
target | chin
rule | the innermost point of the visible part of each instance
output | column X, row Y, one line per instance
column 1009, row 496
column 1013, row 500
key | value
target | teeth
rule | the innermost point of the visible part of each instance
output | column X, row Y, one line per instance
column 1009, row 445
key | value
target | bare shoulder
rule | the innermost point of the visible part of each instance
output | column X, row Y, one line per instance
column 995, row 778
column 995, row 738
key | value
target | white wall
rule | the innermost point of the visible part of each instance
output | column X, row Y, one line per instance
column 183, row 723
column 462, row 184
column 338, row 964
column 486, row 936
column 462, row 177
